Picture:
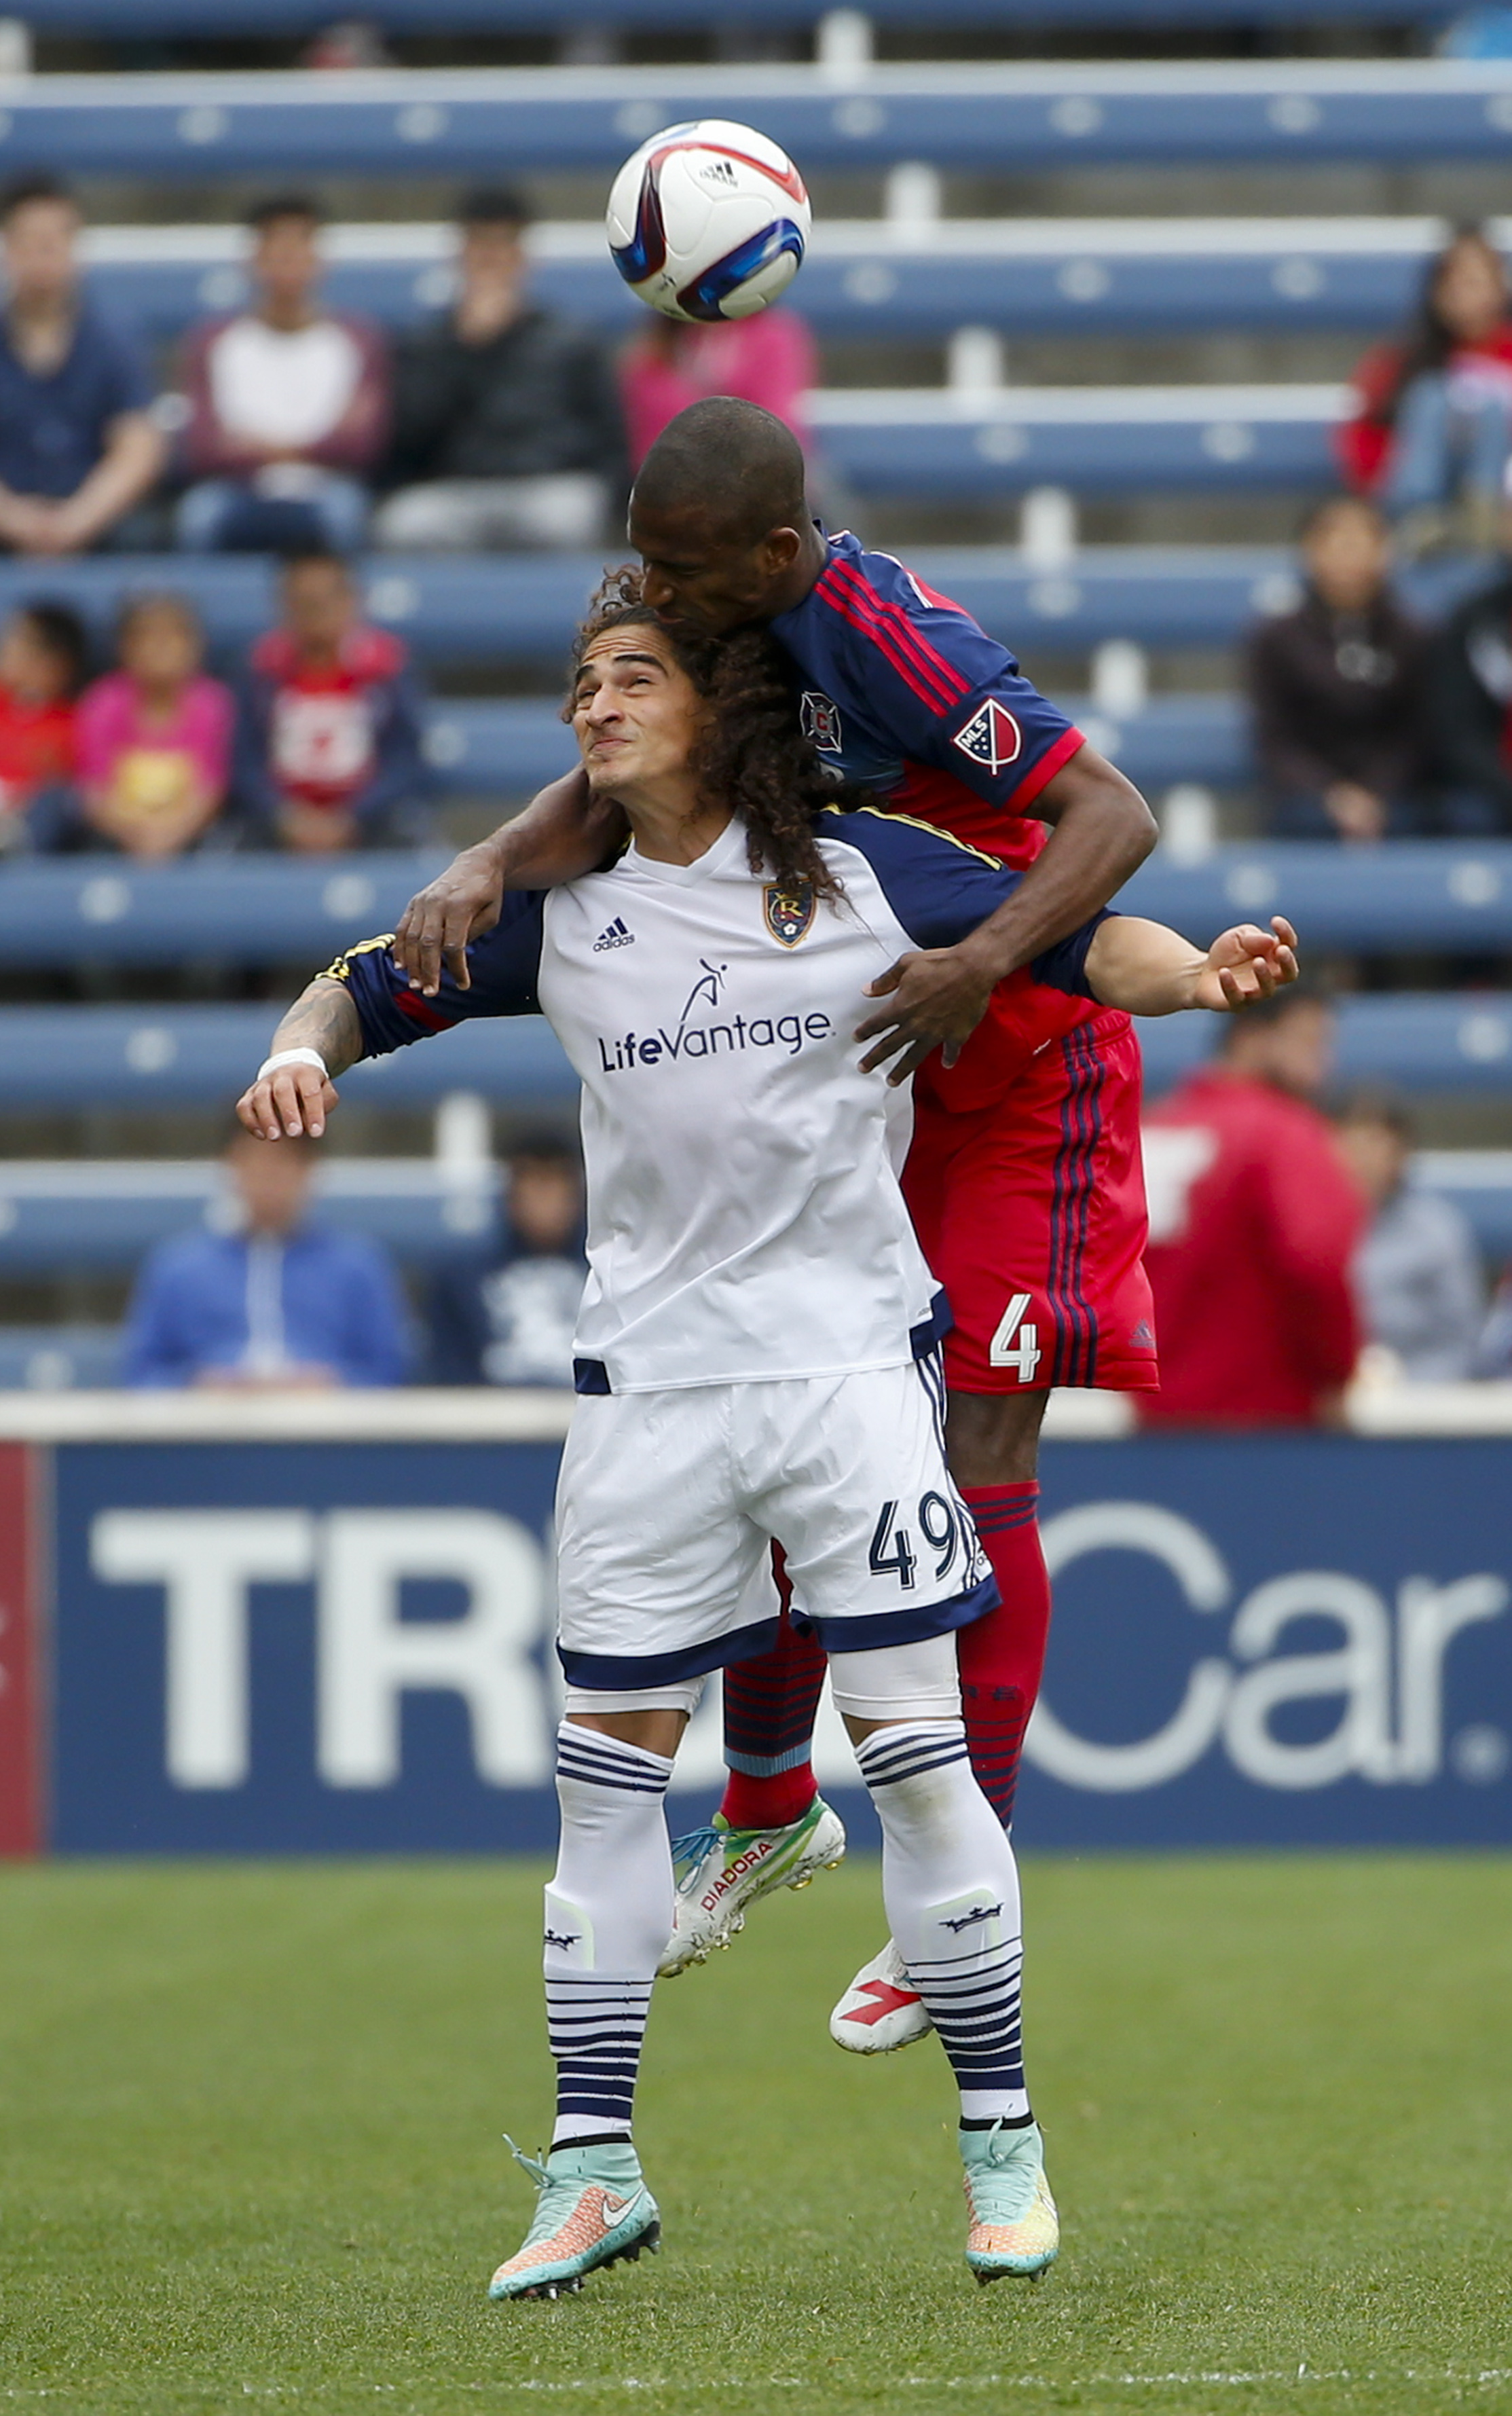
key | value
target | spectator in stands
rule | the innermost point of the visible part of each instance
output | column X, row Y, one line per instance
column 768, row 359
column 1494, row 1351
column 1432, row 428
column 1338, row 690
column 283, row 1301
column 288, row 406
column 507, row 1315
column 1254, row 1220
column 78, row 445
column 328, row 750
column 42, row 654
column 152, row 743
column 507, row 426
column 1417, row 1271
column 1471, row 686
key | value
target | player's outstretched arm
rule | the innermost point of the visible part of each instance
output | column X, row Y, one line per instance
column 1103, row 831
column 1149, row 970
column 297, row 1097
column 562, row 834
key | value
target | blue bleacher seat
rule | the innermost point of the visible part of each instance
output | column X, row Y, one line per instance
column 122, row 1058
column 862, row 278
column 449, row 122
column 103, row 1215
column 503, row 609
column 935, row 445
column 58, row 1358
column 147, row 18
column 1454, row 897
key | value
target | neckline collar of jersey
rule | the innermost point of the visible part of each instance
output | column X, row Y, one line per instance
column 729, row 843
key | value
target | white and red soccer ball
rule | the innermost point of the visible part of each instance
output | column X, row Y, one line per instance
column 708, row 220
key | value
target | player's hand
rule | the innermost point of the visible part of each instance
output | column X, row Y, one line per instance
column 458, row 905
column 1246, row 964
column 294, row 1099
column 937, row 998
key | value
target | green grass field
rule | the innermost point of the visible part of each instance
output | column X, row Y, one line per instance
column 250, row 2151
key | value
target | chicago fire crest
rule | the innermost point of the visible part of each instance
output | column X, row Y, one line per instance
column 790, row 910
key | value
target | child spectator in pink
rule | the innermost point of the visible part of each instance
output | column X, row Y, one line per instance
column 768, row 359
column 41, row 662
column 154, row 738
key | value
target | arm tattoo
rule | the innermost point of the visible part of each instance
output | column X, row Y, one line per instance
column 323, row 1019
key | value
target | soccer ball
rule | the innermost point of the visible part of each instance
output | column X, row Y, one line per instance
column 708, row 220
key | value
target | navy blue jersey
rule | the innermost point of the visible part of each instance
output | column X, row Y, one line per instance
column 903, row 693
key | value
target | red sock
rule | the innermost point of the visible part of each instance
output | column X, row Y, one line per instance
column 769, row 1708
column 1003, row 1655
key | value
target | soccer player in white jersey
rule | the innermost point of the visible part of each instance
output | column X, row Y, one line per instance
column 758, row 1347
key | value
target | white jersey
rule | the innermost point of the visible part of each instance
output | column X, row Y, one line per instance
column 745, row 1220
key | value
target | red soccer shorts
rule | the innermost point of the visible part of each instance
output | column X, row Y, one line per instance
column 1031, row 1211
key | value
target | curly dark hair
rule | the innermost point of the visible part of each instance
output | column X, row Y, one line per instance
column 750, row 754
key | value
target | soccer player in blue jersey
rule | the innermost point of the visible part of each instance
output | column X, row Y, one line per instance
column 760, row 1329
column 1024, row 1178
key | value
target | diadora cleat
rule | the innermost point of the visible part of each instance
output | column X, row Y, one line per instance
column 594, row 2208
column 1014, row 2225
column 721, row 1872
column 882, row 2010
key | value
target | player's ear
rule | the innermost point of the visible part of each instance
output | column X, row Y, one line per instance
column 781, row 548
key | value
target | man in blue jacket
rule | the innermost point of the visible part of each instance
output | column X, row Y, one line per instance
column 283, row 1301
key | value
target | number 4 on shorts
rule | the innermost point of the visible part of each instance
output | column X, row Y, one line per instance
column 1015, row 1344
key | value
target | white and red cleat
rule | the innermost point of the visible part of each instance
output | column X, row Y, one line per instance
column 882, row 2010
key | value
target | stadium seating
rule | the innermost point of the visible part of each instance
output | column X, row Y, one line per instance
column 865, row 278
column 58, row 1358
column 422, row 123
column 1454, row 898
column 145, row 17
column 123, row 1057
column 504, row 611
column 104, row 1213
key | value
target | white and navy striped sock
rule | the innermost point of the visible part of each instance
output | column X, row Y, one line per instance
column 609, row 1911
column 951, row 1888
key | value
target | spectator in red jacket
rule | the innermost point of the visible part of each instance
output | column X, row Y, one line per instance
column 1432, row 428
column 1254, row 1221
column 288, row 406
column 42, row 652
column 328, row 744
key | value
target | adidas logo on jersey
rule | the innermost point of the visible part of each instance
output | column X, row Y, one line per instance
column 991, row 737
column 616, row 937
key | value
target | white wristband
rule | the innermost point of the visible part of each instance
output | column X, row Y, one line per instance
column 292, row 1057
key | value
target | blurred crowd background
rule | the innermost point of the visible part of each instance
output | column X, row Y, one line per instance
column 1318, row 1210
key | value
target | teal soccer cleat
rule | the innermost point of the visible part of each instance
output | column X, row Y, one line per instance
column 594, row 2208
column 1014, row 2227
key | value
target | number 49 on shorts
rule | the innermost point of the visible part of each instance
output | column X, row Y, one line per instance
column 1016, row 1344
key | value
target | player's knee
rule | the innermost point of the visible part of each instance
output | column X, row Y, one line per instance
column 993, row 1437
column 897, row 1685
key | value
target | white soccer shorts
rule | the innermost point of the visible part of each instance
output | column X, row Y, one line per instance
column 669, row 1503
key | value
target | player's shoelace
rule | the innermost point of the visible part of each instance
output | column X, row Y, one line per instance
column 690, row 1852
column 1002, row 2164
column 558, row 2196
